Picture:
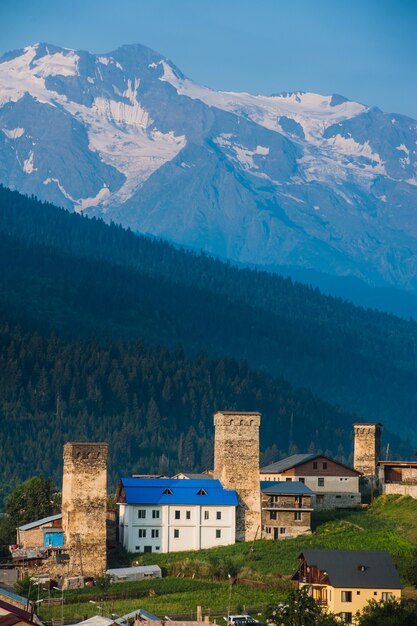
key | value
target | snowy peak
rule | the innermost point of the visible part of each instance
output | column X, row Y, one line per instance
column 288, row 179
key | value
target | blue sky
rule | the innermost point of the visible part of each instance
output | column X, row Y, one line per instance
column 363, row 49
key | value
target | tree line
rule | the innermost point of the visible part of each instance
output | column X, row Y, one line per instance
column 84, row 278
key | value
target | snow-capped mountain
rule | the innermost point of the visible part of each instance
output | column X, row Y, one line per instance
column 291, row 179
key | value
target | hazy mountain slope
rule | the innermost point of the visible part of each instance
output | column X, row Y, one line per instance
column 86, row 278
column 303, row 180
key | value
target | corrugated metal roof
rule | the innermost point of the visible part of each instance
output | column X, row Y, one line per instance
column 294, row 487
column 13, row 596
column 145, row 615
column 39, row 522
column 151, row 491
column 138, row 569
column 287, row 463
column 97, row 620
column 344, row 568
column 298, row 459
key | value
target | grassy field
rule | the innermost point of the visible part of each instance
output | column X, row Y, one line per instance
column 261, row 569
column 390, row 523
column 175, row 597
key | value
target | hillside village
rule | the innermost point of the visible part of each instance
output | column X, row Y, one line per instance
column 235, row 501
column 208, row 313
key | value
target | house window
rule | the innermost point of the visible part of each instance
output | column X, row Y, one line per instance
column 218, row 534
column 156, row 547
column 338, row 497
column 176, row 533
column 375, row 593
column 177, row 514
column 154, row 533
column 297, row 516
column 288, row 480
column 387, row 595
column 302, row 480
column 268, row 530
column 319, row 499
column 155, row 514
column 137, row 548
column 346, row 596
column 206, row 515
column 346, row 617
column 142, row 532
column 282, row 531
column 324, row 465
column 187, row 514
column 273, row 515
column 314, row 464
column 218, row 514
column 141, row 514
column 320, row 482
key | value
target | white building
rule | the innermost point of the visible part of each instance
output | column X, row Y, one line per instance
column 169, row 515
column 335, row 485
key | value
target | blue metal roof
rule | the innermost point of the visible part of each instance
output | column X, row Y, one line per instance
column 151, row 491
column 295, row 487
column 13, row 596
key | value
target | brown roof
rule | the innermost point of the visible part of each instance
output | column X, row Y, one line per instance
column 9, row 620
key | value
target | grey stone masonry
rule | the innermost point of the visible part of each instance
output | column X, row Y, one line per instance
column 236, row 465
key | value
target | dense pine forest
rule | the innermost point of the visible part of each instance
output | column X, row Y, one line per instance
column 153, row 405
column 83, row 278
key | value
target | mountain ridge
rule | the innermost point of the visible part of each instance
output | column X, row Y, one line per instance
column 317, row 182
column 84, row 278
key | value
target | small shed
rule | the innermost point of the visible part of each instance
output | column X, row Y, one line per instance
column 44, row 532
column 138, row 572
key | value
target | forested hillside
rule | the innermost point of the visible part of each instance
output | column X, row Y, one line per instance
column 84, row 278
column 153, row 405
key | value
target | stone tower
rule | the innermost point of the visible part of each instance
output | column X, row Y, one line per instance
column 84, row 504
column 236, row 465
column 367, row 447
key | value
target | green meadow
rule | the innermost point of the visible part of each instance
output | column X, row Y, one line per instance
column 249, row 576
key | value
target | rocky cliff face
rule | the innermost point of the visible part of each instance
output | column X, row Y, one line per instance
column 292, row 179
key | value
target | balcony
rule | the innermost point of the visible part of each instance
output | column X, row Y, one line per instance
column 294, row 506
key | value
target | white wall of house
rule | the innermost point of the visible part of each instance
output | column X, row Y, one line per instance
column 172, row 528
column 336, row 484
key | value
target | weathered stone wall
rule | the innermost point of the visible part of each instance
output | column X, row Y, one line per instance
column 367, row 447
column 236, row 465
column 84, row 503
column 402, row 489
column 285, row 520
